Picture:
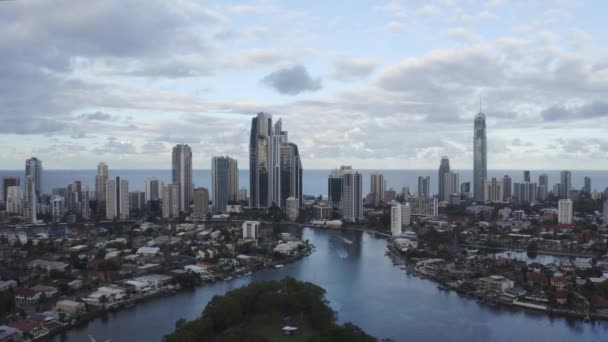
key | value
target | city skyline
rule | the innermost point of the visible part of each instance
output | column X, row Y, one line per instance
column 416, row 68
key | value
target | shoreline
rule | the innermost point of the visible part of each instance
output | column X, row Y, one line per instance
column 101, row 312
column 494, row 301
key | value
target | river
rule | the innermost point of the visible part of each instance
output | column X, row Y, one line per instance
column 364, row 287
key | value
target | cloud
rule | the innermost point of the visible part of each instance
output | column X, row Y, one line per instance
column 347, row 70
column 462, row 34
column 292, row 80
column 395, row 26
column 595, row 109
column 428, row 11
column 97, row 116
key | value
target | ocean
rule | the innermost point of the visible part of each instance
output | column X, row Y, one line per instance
column 315, row 181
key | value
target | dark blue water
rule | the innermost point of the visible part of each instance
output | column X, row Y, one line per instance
column 315, row 181
column 364, row 287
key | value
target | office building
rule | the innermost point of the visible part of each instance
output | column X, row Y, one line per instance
column 117, row 199
column 201, row 202
column 564, row 211
column 565, row 185
column 543, row 187
column 352, row 196
column 292, row 208
column 444, row 168
column 396, row 215
column 424, row 186
column 153, row 188
column 493, row 190
column 259, row 144
column 182, row 175
column 480, row 165
column 7, row 182
column 33, row 168
column 171, row 200
column 507, row 188
column 377, row 188
column 223, row 170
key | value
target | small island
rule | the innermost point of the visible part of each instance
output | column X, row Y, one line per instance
column 269, row 311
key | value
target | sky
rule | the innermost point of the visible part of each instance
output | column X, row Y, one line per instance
column 372, row 84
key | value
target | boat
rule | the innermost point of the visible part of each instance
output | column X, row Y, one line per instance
column 248, row 273
column 279, row 266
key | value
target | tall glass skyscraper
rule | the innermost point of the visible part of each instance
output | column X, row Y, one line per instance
column 480, row 156
column 222, row 171
column 258, row 160
column 33, row 168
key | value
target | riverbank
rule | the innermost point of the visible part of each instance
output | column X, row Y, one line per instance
column 102, row 311
column 489, row 299
column 348, row 228
column 540, row 251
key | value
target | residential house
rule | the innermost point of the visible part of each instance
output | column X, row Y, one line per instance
column 27, row 296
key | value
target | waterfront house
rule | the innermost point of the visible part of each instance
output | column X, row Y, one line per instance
column 496, row 284
column 155, row 281
column 27, row 296
column 70, row 307
column 49, row 291
column 48, row 265
column 561, row 297
column 106, row 295
column 32, row 329
column 537, row 278
column 559, row 282
column 288, row 248
column 137, row 286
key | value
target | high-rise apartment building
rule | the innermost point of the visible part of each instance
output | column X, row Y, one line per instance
column 507, row 188
column 587, row 186
column 334, row 187
column 543, row 187
column 527, row 176
column 377, row 188
column 182, row 174
column 171, row 200
column 101, row 180
column 14, row 200
column 31, row 199
column 451, row 186
column 564, row 211
column 201, row 202
column 480, row 155
column 117, row 199
column 424, row 186
column 444, row 168
column 406, row 214
column 352, row 196
column 153, row 188
column 493, row 190
column 33, row 168
column 396, row 215
column 7, row 182
column 292, row 208
column 565, row 184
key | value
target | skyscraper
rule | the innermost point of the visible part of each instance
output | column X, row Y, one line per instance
column 7, row 182
column 334, row 187
column 507, row 187
column 352, row 196
column 587, row 187
column 377, row 188
column 233, row 193
column 424, row 186
column 153, row 188
column 396, row 222
column 444, row 168
column 222, row 172
column 182, row 174
column 275, row 167
column 543, row 187
column 171, row 199
column 100, row 185
column 201, row 202
column 565, row 185
column 564, row 211
column 451, row 185
column 259, row 143
column 33, row 168
column 493, row 190
column 480, row 164
column 526, row 176
column 117, row 199
column 31, row 200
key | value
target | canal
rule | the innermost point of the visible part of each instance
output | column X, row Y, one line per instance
column 364, row 287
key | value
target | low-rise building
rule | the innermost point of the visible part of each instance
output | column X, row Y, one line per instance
column 48, row 265
column 288, row 248
column 27, row 296
column 496, row 284
column 251, row 229
column 156, row 281
column 10, row 334
column 106, row 295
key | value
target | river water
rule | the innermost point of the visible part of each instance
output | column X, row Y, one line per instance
column 364, row 287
